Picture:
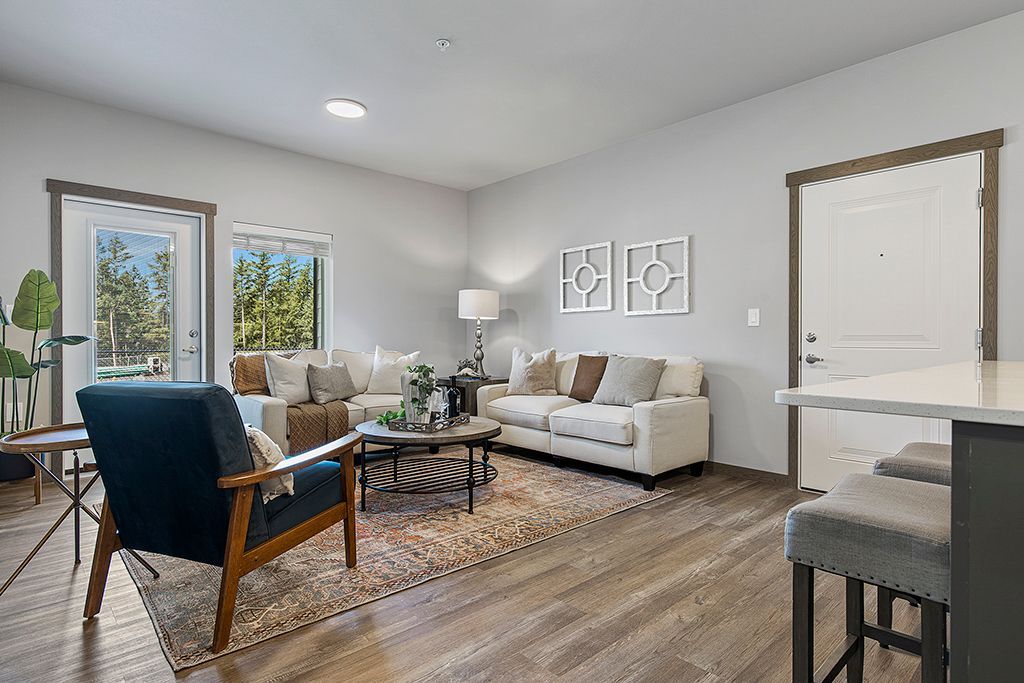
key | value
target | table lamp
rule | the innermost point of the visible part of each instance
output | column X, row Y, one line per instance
column 481, row 304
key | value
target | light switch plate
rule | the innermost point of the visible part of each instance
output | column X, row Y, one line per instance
column 753, row 317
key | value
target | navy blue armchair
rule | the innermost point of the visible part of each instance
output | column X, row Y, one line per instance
column 180, row 481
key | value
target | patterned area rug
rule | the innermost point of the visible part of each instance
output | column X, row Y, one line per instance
column 403, row 540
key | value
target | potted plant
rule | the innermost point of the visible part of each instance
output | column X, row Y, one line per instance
column 20, row 376
column 419, row 384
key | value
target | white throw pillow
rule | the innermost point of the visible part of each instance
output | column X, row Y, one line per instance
column 287, row 380
column 532, row 375
column 388, row 366
column 266, row 453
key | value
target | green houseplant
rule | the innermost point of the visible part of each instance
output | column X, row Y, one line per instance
column 20, row 375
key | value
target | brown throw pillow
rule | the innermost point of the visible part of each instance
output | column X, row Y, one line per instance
column 249, row 374
column 589, row 371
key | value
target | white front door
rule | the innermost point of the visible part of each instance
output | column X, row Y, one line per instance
column 890, row 280
column 132, row 277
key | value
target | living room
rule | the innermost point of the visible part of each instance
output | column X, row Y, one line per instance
column 572, row 248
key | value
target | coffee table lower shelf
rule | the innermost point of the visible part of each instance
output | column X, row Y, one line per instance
column 426, row 475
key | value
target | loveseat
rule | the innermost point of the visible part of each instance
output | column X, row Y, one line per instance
column 650, row 438
column 270, row 414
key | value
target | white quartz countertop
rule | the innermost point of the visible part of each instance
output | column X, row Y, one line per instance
column 990, row 392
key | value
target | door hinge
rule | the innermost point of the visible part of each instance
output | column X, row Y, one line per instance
column 979, row 335
column 981, row 197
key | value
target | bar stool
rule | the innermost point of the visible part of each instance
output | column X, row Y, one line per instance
column 920, row 461
column 931, row 462
column 882, row 531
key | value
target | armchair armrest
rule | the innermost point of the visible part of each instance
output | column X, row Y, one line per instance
column 267, row 414
column 488, row 393
column 297, row 462
column 670, row 433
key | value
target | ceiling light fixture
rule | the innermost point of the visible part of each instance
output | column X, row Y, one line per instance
column 443, row 44
column 346, row 109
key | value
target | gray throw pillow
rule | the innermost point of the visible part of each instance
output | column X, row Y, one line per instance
column 629, row 380
column 330, row 383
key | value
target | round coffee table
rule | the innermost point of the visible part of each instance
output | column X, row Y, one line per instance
column 433, row 474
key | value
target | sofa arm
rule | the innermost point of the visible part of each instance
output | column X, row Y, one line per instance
column 488, row 393
column 267, row 414
column 670, row 433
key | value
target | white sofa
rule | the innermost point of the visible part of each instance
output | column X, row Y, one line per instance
column 650, row 438
column 269, row 414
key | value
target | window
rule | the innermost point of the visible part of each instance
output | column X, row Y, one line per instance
column 281, row 284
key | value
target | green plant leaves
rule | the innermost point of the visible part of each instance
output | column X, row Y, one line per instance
column 48, row 363
column 13, row 364
column 36, row 302
column 66, row 340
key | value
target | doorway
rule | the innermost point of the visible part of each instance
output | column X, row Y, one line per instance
column 133, row 270
column 893, row 267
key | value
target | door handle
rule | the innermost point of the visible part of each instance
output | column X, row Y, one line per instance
column 191, row 349
column 812, row 359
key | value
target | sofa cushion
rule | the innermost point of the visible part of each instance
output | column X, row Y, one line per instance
column 356, row 414
column 307, row 356
column 527, row 411
column 317, row 488
column 375, row 405
column 359, row 364
column 611, row 424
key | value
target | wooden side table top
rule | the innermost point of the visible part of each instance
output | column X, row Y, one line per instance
column 69, row 437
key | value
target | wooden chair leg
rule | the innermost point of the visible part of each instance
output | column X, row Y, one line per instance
column 107, row 544
column 855, row 628
column 348, row 492
column 238, row 526
column 803, row 623
column 933, row 642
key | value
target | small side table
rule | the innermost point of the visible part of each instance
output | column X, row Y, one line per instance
column 468, row 386
column 34, row 442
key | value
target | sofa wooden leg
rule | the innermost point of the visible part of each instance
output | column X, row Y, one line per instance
column 648, row 481
column 697, row 469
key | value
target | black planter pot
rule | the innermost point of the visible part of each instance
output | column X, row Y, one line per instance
column 15, row 467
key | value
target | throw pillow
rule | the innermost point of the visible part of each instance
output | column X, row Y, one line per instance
column 629, row 380
column 589, row 371
column 249, row 374
column 330, row 383
column 266, row 453
column 532, row 375
column 287, row 380
column 388, row 366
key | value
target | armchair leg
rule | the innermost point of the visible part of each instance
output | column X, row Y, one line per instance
column 106, row 545
column 238, row 526
column 348, row 492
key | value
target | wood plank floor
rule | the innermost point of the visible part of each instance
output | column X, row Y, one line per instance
column 690, row 587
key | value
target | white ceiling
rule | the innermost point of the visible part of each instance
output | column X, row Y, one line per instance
column 525, row 83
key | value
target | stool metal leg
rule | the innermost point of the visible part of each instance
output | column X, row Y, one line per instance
column 78, row 508
column 933, row 642
column 803, row 623
column 855, row 628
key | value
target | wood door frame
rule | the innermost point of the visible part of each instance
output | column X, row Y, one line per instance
column 988, row 143
column 59, row 189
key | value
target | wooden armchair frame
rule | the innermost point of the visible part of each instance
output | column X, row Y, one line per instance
column 237, row 560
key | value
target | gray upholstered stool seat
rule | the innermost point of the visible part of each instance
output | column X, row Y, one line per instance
column 930, row 462
column 885, row 531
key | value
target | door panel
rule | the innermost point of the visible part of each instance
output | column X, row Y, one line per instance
column 889, row 281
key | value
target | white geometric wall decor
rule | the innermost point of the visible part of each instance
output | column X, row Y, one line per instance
column 585, row 278
column 656, row 277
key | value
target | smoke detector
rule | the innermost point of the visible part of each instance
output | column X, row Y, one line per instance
column 443, row 44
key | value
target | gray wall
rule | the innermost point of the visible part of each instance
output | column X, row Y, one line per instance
column 400, row 245
column 720, row 178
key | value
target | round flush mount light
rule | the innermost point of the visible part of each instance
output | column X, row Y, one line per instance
column 346, row 109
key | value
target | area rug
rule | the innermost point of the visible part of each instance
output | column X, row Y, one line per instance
column 402, row 540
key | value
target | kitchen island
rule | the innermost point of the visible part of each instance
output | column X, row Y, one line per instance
column 985, row 402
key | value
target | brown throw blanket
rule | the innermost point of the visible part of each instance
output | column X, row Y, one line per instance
column 311, row 425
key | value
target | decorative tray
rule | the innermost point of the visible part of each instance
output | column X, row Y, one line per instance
column 428, row 427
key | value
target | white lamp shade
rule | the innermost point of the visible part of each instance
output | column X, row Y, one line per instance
column 478, row 303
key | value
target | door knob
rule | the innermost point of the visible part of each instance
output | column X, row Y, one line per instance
column 812, row 359
column 191, row 349
column 811, row 337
